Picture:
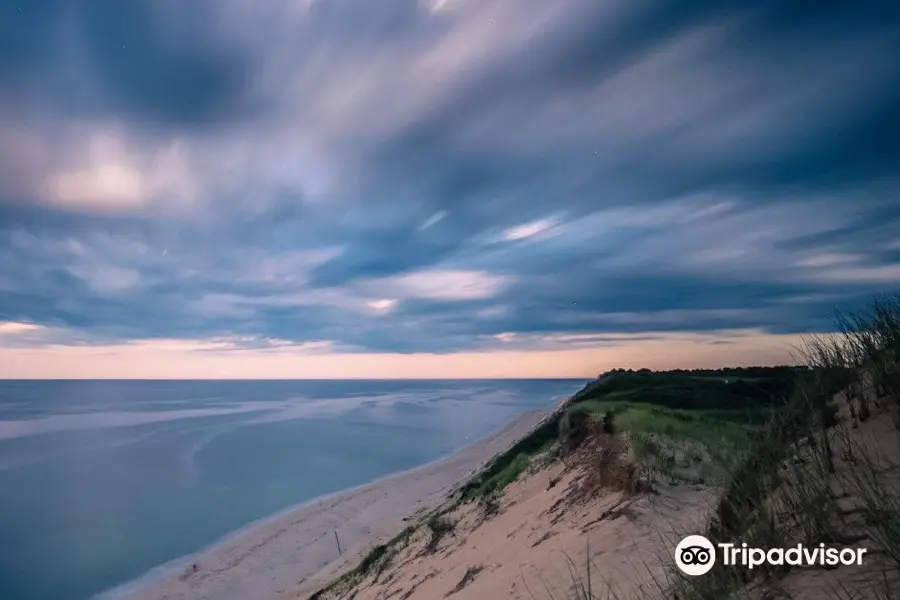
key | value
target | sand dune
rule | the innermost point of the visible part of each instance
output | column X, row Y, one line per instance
column 283, row 553
column 591, row 512
column 527, row 547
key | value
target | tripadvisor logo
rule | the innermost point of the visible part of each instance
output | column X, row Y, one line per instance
column 695, row 555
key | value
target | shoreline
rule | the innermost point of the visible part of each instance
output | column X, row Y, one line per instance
column 290, row 548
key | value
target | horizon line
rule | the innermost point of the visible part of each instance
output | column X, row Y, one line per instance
column 352, row 378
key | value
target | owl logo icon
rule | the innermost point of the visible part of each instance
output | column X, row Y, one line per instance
column 695, row 555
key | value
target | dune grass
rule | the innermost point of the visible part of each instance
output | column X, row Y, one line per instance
column 682, row 445
column 679, row 420
column 373, row 563
column 439, row 526
column 507, row 466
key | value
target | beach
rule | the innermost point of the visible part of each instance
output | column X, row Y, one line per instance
column 297, row 550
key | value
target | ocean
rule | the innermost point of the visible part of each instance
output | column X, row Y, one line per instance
column 101, row 481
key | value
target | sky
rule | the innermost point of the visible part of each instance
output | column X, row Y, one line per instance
column 439, row 188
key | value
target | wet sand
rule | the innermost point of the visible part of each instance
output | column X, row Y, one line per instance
column 297, row 549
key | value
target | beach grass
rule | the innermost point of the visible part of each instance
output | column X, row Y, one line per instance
column 675, row 418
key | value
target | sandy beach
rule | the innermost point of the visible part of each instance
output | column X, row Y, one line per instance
column 297, row 549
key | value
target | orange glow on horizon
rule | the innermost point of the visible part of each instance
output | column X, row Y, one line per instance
column 183, row 359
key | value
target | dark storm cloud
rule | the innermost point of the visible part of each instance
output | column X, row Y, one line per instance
column 393, row 178
column 748, row 96
column 148, row 63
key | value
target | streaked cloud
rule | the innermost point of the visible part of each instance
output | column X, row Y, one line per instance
column 443, row 284
column 527, row 230
column 12, row 328
column 433, row 220
column 383, row 304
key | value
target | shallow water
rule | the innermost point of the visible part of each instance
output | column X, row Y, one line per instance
column 102, row 480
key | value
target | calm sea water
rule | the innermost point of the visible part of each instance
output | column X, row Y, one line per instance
column 102, row 480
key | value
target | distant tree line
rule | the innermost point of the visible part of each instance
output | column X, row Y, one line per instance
column 731, row 389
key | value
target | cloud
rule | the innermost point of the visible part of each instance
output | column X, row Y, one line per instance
column 527, row 230
column 882, row 274
column 105, row 279
column 433, row 220
column 443, row 284
column 12, row 328
column 828, row 260
column 408, row 177
column 383, row 304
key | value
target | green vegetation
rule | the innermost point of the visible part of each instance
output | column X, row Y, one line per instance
column 745, row 394
column 509, row 465
column 374, row 560
column 373, row 563
column 439, row 526
column 683, row 445
column 687, row 425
